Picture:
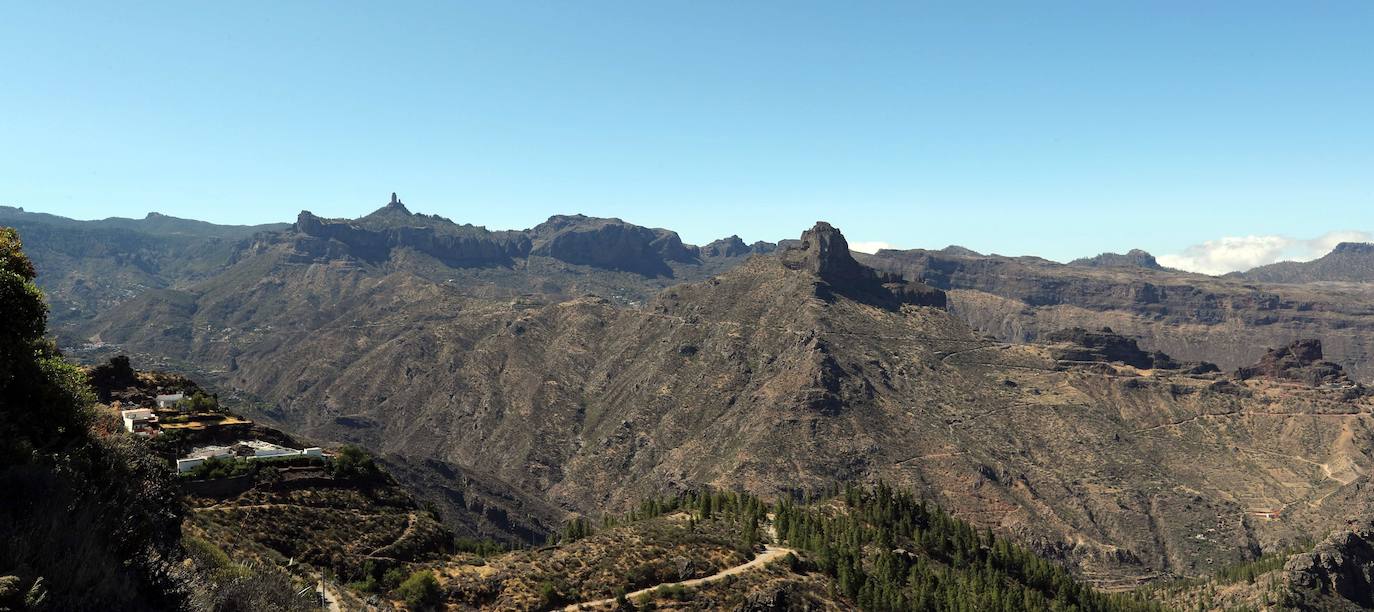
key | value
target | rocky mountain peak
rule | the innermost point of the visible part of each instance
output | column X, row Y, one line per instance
column 1354, row 248
column 1134, row 258
column 730, row 246
column 394, row 207
column 824, row 251
column 955, row 249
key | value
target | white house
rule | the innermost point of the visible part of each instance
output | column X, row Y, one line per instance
column 169, row 400
column 247, row 449
column 140, row 421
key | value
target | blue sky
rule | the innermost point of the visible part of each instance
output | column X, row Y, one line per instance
column 1053, row 128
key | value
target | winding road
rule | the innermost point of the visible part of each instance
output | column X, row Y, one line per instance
column 769, row 554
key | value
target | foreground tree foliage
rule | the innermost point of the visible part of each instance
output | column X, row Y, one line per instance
column 86, row 522
column 89, row 518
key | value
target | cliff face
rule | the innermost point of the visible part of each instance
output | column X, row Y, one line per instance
column 824, row 252
column 1189, row 316
column 1341, row 565
column 459, row 246
column 610, row 243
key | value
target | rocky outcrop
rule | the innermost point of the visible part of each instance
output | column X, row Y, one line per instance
column 823, row 251
column 609, row 243
column 959, row 251
column 1301, row 361
column 1341, row 566
column 730, row 246
column 1076, row 346
column 1348, row 262
column 1080, row 345
column 373, row 237
column 1135, row 258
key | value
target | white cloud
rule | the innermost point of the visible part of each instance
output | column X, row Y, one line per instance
column 869, row 247
column 1238, row 253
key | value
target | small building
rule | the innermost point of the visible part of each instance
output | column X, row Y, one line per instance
column 140, row 421
column 246, row 449
column 169, row 400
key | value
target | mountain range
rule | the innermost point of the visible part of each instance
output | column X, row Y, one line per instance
column 1131, row 421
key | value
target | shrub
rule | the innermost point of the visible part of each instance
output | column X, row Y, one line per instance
column 393, row 578
column 420, row 590
column 552, row 595
column 353, row 461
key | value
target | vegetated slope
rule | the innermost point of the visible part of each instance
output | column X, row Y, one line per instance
column 353, row 523
column 1230, row 321
column 1348, row 262
column 870, row 548
column 790, row 371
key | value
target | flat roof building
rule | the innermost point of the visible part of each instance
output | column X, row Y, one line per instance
column 141, row 421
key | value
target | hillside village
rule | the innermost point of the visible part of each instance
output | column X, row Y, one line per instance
column 153, row 405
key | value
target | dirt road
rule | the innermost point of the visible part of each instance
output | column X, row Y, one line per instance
column 769, row 554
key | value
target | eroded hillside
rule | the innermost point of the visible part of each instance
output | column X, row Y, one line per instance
column 789, row 372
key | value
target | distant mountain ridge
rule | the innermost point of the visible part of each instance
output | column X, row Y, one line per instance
column 1348, row 262
column 610, row 244
column 1231, row 321
column 153, row 223
column 90, row 266
column 1135, row 258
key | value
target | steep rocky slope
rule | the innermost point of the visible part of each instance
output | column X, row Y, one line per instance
column 789, row 372
column 1227, row 321
column 1339, row 572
